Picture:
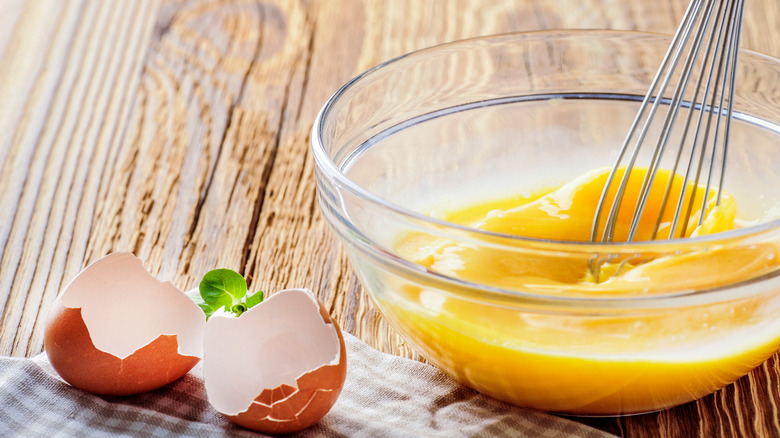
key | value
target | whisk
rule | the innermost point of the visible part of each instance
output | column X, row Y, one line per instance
column 701, row 63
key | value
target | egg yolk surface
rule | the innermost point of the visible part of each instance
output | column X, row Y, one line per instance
column 595, row 363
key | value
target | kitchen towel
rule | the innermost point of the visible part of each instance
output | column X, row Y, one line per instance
column 384, row 396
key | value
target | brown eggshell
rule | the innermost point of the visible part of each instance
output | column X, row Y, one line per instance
column 116, row 330
column 70, row 348
column 278, row 368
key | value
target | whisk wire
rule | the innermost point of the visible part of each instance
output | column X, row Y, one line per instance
column 720, row 37
column 711, row 110
column 722, row 69
column 735, row 41
column 686, row 129
column 700, row 138
column 678, row 36
column 666, row 131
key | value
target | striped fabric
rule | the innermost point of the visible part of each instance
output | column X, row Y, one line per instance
column 384, row 396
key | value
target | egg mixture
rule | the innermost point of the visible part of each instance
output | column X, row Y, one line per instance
column 590, row 362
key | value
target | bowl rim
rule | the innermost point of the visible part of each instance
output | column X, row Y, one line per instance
column 323, row 160
column 328, row 169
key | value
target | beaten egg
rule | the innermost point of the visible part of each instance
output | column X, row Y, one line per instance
column 601, row 363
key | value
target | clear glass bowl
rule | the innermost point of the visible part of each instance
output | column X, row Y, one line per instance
column 490, row 117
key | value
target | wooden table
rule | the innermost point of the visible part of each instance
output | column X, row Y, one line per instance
column 180, row 131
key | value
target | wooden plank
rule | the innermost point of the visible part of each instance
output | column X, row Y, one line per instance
column 181, row 132
column 12, row 11
column 70, row 103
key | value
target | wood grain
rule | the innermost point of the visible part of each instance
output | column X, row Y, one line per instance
column 180, row 131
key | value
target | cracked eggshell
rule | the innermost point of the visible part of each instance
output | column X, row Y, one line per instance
column 117, row 330
column 279, row 367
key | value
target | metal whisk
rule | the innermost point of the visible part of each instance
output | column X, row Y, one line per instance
column 701, row 62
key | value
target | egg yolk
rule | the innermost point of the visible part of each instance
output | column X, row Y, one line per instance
column 590, row 362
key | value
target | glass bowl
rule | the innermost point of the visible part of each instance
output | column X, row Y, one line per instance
column 494, row 117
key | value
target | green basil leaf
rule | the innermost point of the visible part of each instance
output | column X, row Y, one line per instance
column 206, row 309
column 222, row 287
column 254, row 299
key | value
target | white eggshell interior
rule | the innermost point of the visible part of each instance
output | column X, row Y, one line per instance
column 271, row 344
column 125, row 308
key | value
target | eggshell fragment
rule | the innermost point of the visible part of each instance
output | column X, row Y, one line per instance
column 117, row 330
column 279, row 367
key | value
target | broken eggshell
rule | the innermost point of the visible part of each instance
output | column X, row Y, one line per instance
column 279, row 367
column 117, row 330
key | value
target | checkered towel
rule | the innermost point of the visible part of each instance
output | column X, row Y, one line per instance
column 384, row 395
